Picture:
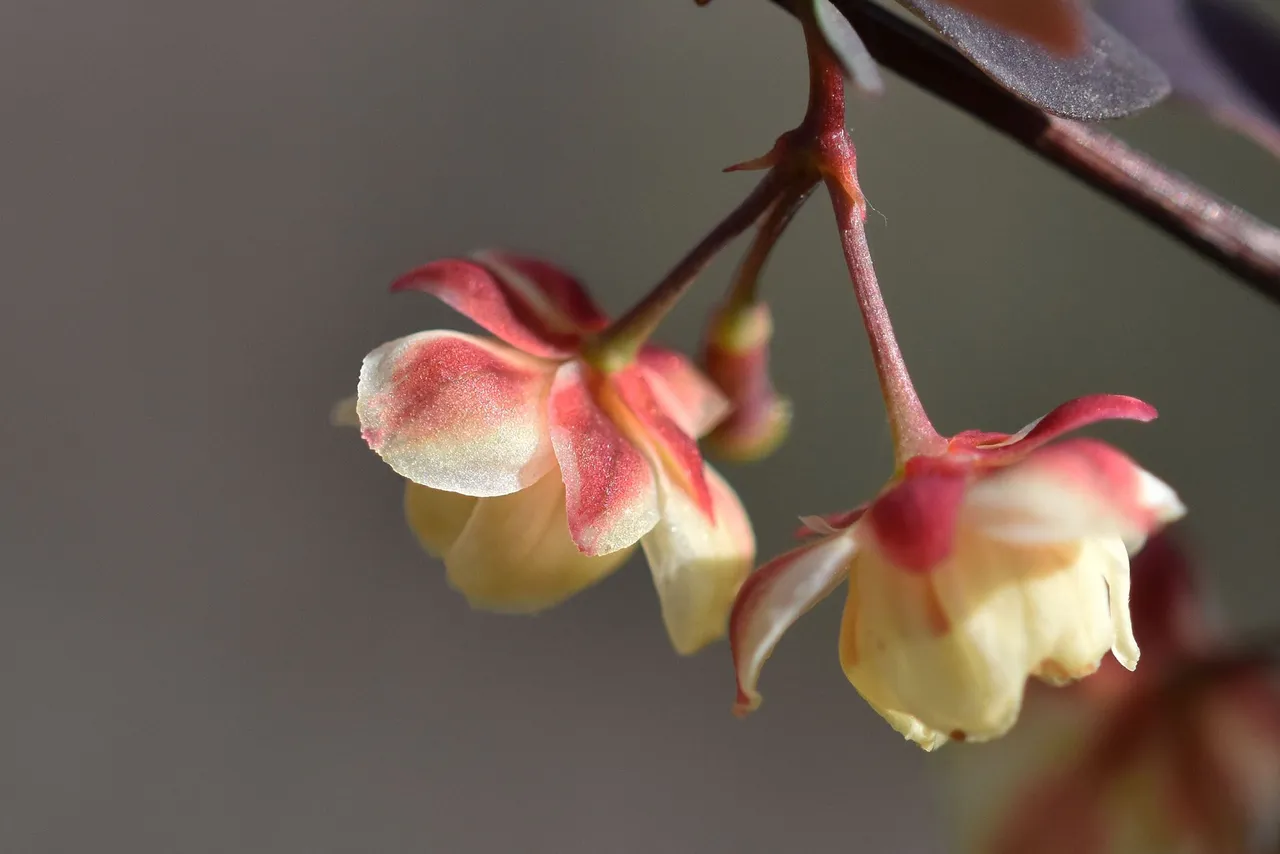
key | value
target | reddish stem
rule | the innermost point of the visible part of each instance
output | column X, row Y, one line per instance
column 1218, row 230
column 619, row 344
column 836, row 160
column 913, row 433
column 746, row 282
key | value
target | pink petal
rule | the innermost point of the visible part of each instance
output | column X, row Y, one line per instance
column 610, row 490
column 698, row 565
column 491, row 302
column 1071, row 490
column 1071, row 415
column 829, row 523
column 676, row 451
column 557, row 292
column 691, row 399
column 773, row 598
column 458, row 413
column 915, row 521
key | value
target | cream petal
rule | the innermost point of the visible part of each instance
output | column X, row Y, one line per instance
column 913, row 730
column 436, row 517
column 458, row 413
column 1069, row 614
column 900, row 649
column 515, row 553
column 1113, row 558
column 952, row 649
column 698, row 565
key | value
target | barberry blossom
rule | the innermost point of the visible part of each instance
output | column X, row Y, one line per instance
column 995, row 559
column 532, row 471
column 1182, row 756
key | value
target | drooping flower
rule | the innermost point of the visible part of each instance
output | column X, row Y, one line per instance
column 533, row 472
column 1182, row 756
column 997, row 559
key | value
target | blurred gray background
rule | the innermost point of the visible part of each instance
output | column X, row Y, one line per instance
column 215, row 632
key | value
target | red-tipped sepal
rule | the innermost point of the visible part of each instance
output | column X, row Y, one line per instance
column 527, row 303
column 773, row 598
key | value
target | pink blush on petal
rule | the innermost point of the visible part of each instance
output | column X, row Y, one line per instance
column 457, row 413
column 610, row 490
column 444, row 386
column 678, row 451
column 1096, row 469
column 915, row 522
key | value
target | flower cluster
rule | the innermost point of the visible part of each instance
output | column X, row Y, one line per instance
column 537, row 459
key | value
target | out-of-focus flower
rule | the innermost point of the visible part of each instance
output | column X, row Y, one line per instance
column 1183, row 756
column 531, row 471
column 998, row 559
column 736, row 358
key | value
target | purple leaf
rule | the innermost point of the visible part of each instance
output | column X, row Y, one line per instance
column 845, row 45
column 1217, row 54
column 1109, row 79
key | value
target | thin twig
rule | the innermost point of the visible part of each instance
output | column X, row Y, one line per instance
column 619, row 344
column 1218, row 230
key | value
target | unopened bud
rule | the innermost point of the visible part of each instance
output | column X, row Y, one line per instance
column 736, row 357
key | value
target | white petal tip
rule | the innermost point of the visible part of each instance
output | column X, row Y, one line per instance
column 1128, row 658
column 1160, row 498
column 818, row 525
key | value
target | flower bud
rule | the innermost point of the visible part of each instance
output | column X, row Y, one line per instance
column 736, row 357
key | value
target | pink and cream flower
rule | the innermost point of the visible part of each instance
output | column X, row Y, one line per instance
column 999, row 559
column 531, row 472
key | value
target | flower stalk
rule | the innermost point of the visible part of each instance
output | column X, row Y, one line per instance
column 835, row 158
column 1219, row 231
column 618, row 345
column 913, row 433
column 745, row 290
